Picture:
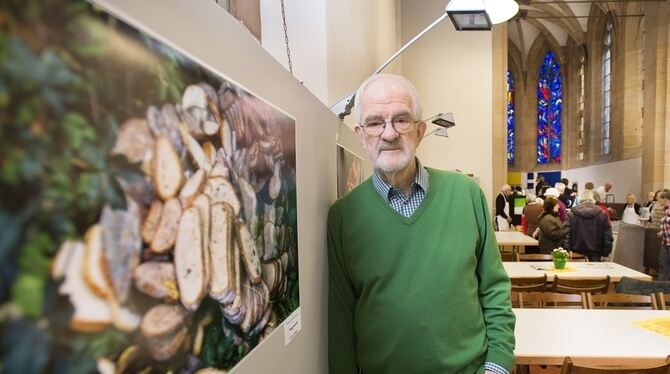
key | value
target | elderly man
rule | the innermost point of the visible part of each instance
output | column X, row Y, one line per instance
column 416, row 283
column 503, row 215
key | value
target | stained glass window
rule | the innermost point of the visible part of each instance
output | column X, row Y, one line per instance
column 549, row 108
column 510, row 118
column 607, row 85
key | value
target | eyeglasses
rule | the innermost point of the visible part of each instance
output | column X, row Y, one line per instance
column 401, row 124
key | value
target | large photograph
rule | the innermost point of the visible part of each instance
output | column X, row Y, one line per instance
column 148, row 205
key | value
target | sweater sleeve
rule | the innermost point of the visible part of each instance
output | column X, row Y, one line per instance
column 341, row 303
column 494, row 291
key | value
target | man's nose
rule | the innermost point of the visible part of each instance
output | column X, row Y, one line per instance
column 389, row 132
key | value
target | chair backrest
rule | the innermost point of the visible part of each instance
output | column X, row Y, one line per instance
column 528, row 284
column 535, row 257
column 552, row 300
column 599, row 285
column 578, row 257
column 570, row 368
column 621, row 301
column 509, row 256
column 642, row 287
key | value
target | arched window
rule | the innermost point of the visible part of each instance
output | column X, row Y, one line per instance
column 607, row 85
column 510, row 118
column 549, row 108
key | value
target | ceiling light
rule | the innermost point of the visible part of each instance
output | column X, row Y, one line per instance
column 500, row 11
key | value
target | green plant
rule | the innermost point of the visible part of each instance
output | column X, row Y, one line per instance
column 560, row 254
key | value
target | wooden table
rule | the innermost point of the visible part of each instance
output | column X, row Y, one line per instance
column 590, row 336
column 514, row 239
column 574, row 270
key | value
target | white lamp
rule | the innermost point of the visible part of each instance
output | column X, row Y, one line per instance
column 500, row 11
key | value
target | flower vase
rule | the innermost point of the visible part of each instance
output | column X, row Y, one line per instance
column 560, row 263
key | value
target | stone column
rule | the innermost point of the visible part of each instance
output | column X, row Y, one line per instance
column 499, row 117
column 655, row 136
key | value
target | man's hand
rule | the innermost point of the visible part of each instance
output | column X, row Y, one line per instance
column 509, row 219
column 603, row 259
column 659, row 234
column 488, row 372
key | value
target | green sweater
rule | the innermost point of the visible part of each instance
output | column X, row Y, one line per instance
column 423, row 294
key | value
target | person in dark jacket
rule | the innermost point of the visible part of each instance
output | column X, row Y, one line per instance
column 503, row 214
column 551, row 228
column 588, row 230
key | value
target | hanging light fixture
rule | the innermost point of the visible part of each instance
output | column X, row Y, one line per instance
column 500, row 11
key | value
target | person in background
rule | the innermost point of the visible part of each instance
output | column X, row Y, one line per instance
column 588, row 230
column 540, row 186
column 664, row 234
column 560, row 186
column 598, row 199
column 568, row 193
column 658, row 210
column 416, row 284
column 604, row 190
column 550, row 231
column 651, row 197
column 530, row 218
column 562, row 210
column 631, row 212
column 502, row 214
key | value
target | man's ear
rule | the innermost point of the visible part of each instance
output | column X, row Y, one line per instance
column 421, row 130
column 358, row 131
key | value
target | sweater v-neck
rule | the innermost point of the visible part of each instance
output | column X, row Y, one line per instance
column 385, row 207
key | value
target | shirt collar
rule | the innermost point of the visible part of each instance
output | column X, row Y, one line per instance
column 385, row 189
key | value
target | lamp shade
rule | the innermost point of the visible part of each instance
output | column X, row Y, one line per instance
column 500, row 11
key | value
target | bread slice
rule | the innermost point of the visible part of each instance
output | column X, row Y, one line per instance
column 63, row 257
column 167, row 227
column 163, row 320
column 123, row 318
column 226, row 138
column 192, row 188
column 220, row 249
column 248, row 197
column 157, row 279
column 210, row 152
column 194, row 149
column 188, row 260
column 91, row 312
column 252, row 261
column 121, row 244
column 202, row 204
column 151, row 221
column 94, row 262
column 220, row 190
column 219, row 168
column 134, row 140
column 168, row 172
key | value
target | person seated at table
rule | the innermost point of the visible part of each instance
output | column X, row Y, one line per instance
column 530, row 219
column 550, row 229
column 588, row 230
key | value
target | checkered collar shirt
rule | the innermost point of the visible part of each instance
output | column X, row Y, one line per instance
column 665, row 228
column 401, row 203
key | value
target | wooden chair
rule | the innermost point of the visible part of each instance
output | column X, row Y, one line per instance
column 578, row 257
column 509, row 256
column 535, row 257
column 621, row 301
column 662, row 304
column 551, row 300
column 529, row 284
column 577, row 286
column 570, row 368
